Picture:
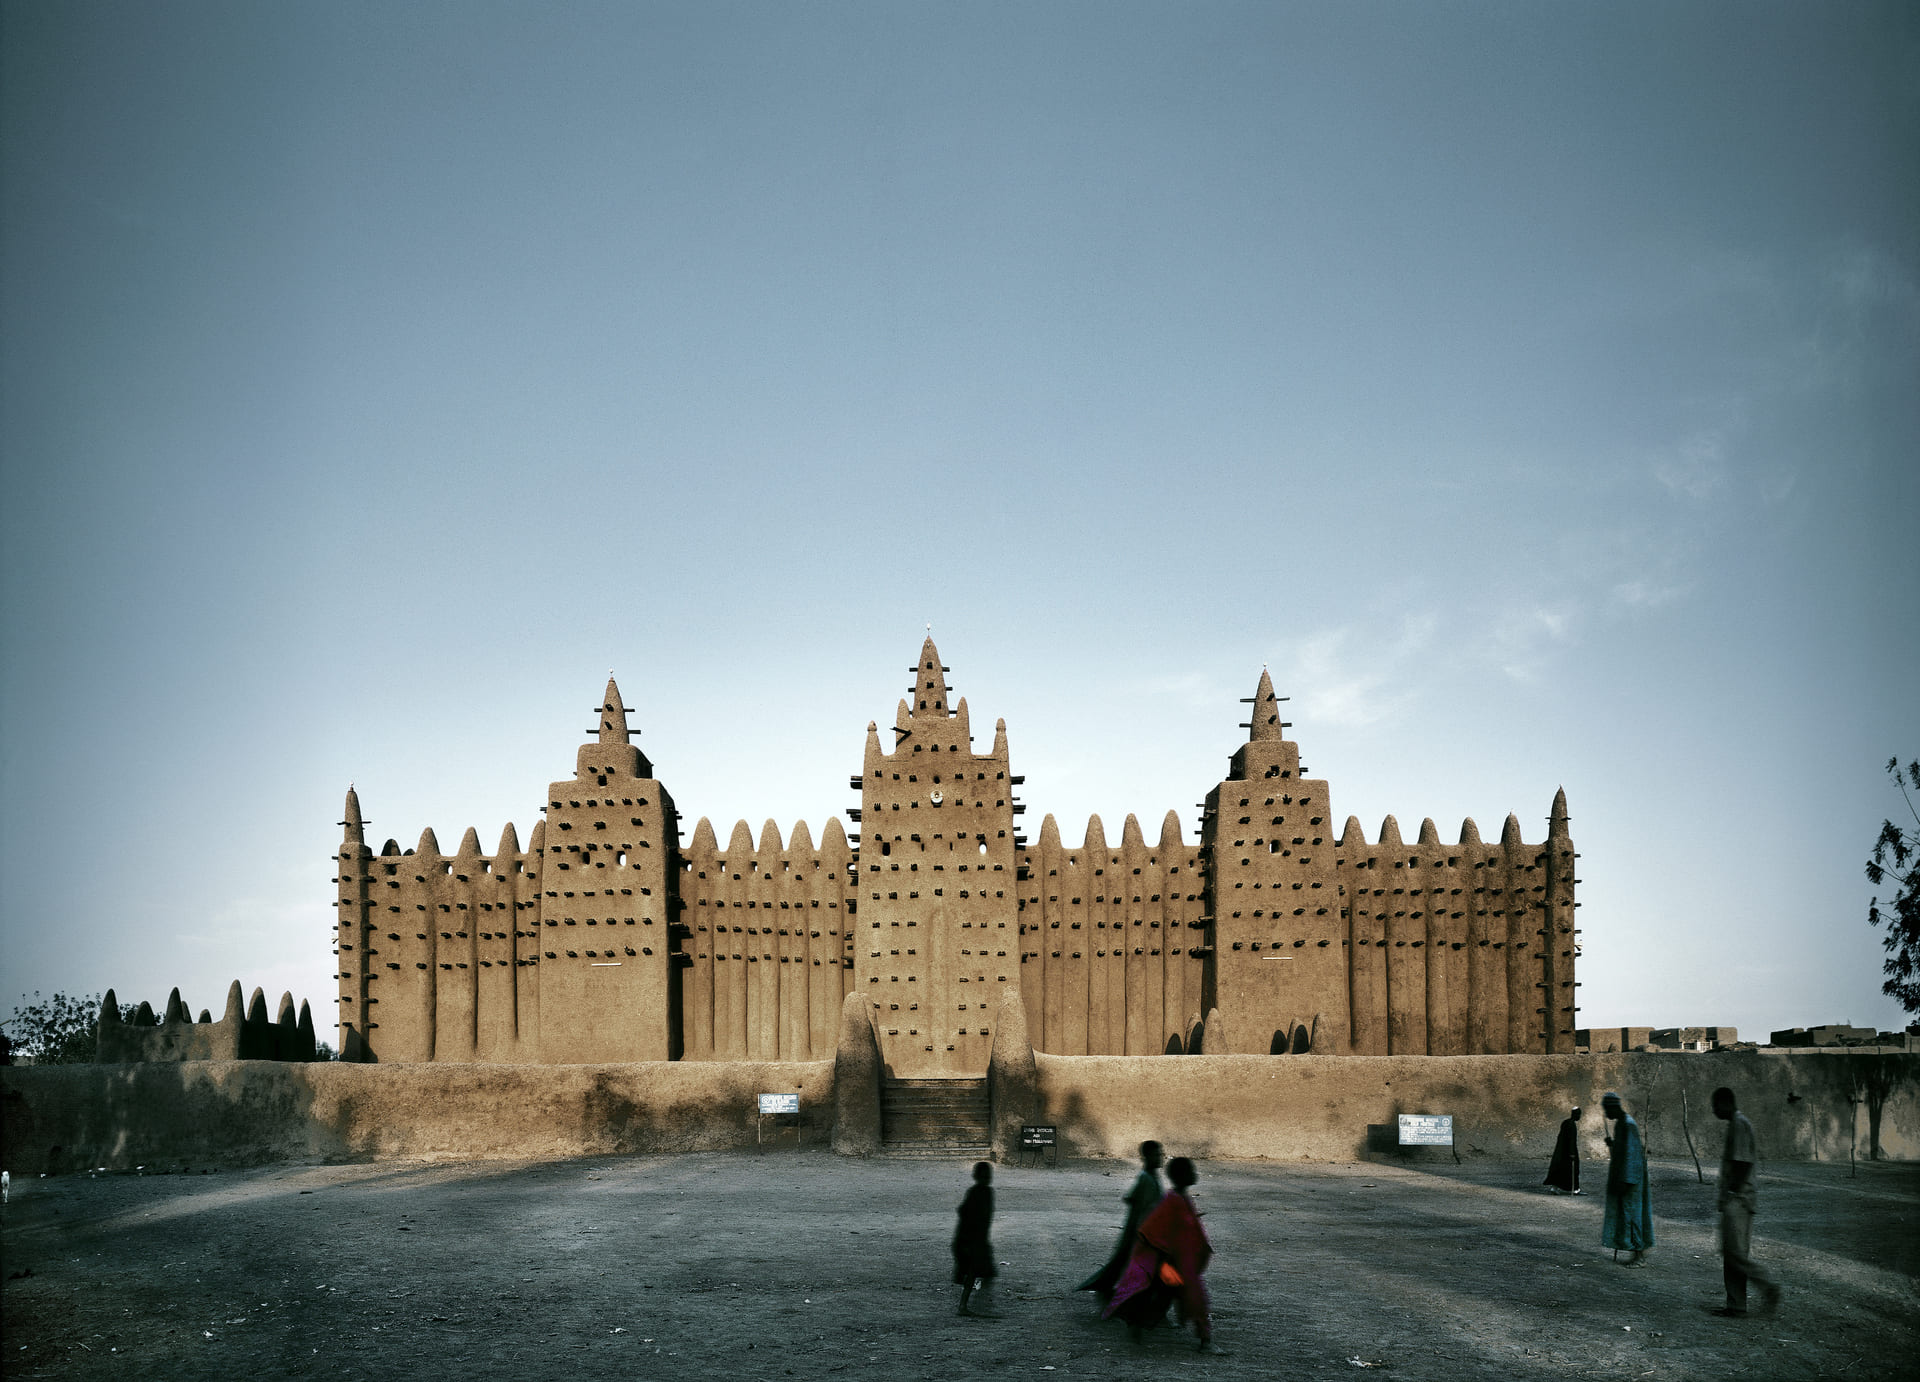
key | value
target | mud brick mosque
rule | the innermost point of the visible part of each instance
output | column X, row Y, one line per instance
column 608, row 938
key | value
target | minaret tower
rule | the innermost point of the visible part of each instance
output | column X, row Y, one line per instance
column 1277, row 968
column 352, row 927
column 936, row 933
column 606, row 947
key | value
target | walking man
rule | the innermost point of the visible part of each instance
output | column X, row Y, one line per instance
column 1629, row 1223
column 1738, row 1198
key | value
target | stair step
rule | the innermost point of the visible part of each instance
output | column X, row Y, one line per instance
column 941, row 1118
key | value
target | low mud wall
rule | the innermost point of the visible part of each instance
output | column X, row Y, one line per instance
column 1318, row 1108
column 225, row 1113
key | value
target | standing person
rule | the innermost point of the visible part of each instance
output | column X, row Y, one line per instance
column 972, row 1245
column 1629, row 1222
column 1738, row 1199
column 1140, row 1199
column 1169, row 1262
column 1563, row 1172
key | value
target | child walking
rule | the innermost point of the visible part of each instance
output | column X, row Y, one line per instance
column 973, row 1265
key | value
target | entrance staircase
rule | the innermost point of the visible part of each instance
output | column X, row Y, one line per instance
column 935, row 1118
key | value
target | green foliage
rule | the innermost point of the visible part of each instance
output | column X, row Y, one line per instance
column 323, row 1050
column 57, row 1030
column 1896, row 860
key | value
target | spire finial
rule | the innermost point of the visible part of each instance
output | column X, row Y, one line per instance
column 1264, row 723
column 613, row 716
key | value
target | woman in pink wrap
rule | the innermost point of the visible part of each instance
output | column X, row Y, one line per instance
column 1169, row 1263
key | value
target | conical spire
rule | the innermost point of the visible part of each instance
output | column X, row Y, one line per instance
column 704, row 841
column 740, row 847
column 1170, row 831
column 1000, row 738
column 833, row 844
column 356, row 834
column 1557, row 821
column 469, row 844
column 1429, row 833
column 429, row 843
column 1130, row 837
column 1264, row 723
column 1352, row 836
column 800, row 839
column 235, row 1011
column 509, row 845
column 110, row 1009
column 929, row 693
column 1510, row 833
column 1469, row 832
column 1390, row 831
column 613, row 716
column 770, row 845
column 177, row 1010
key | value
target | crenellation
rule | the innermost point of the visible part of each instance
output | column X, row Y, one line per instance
column 244, row 1032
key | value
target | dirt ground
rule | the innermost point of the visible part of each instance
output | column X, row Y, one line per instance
column 802, row 1265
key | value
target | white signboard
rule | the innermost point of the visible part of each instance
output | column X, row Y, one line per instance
column 779, row 1103
column 1426, row 1130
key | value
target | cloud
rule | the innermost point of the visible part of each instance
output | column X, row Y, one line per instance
column 1697, row 467
column 1353, row 680
column 1644, row 593
column 1195, row 690
column 1523, row 637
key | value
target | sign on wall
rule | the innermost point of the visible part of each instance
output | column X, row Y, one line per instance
column 1426, row 1130
column 779, row 1103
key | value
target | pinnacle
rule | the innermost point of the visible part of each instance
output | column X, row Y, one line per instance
column 613, row 716
column 1264, row 723
column 928, row 693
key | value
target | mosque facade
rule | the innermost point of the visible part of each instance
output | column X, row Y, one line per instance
column 610, row 937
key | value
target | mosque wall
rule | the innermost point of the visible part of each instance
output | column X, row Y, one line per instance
column 608, row 938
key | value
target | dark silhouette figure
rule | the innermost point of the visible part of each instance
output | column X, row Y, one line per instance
column 1141, row 1197
column 1169, row 1263
column 973, row 1267
column 1563, row 1172
column 1738, row 1200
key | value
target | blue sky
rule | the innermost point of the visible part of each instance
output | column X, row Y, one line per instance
column 1532, row 387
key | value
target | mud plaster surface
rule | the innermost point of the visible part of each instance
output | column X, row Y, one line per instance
column 800, row 1264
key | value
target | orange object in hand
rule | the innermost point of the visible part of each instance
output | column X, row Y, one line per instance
column 1170, row 1276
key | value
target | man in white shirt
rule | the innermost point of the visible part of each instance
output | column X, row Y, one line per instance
column 1738, row 1199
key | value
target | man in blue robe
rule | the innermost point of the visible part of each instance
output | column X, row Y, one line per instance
column 1628, row 1226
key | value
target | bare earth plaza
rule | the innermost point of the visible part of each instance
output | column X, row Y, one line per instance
column 802, row 1264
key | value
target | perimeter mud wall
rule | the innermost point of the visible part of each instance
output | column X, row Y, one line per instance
column 1805, row 1107
column 226, row 1113
column 1318, row 1108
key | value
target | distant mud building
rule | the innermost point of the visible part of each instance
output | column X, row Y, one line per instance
column 609, row 939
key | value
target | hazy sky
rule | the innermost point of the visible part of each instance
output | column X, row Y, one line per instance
column 1532, row 386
